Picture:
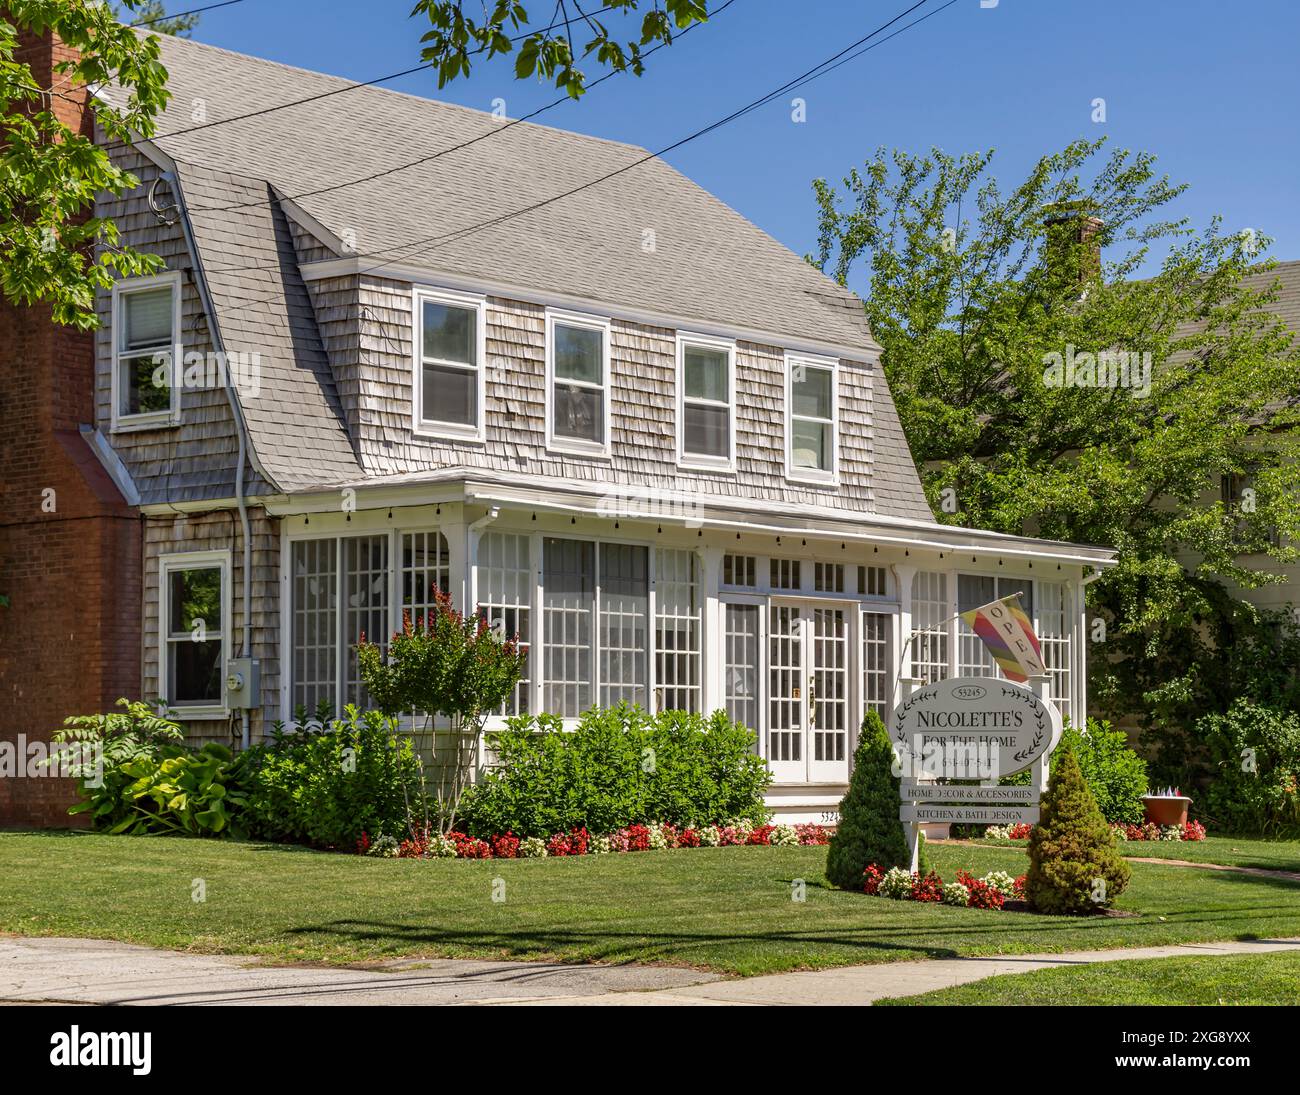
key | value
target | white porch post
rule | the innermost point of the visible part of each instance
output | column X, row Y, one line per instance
column 907, row 684
column 903, row 575
column 1041, row 686
column 713, row 654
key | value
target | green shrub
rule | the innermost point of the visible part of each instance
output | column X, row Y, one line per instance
column 618, row 767
column 1255, row 752
column 181, row 790
column 869, row 830
column 327, row 788
column 1115, row 774
column 1073, row 863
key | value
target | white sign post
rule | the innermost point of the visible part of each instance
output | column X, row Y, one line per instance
column 971, row 728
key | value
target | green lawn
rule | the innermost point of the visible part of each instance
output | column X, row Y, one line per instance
column 1231, row 851
column 728, row 909
column 1234, row 979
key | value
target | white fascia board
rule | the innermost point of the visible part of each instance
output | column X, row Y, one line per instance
column 112, row 463
column 418, row 275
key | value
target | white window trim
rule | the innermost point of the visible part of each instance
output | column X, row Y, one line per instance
column 193, row 560
column 422, row 427
column 569, row 445
column 699, row 461
column 829, row 478
column 150, row 420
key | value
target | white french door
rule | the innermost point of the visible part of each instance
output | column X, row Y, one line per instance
column 809, row 738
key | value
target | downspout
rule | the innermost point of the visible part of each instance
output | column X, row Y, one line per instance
column 241, row 430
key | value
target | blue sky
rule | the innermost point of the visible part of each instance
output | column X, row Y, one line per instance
column 1210, row 87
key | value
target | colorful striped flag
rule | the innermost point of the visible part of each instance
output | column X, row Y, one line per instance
column 1009, row 636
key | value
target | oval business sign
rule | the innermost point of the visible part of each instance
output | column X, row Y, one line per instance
column 972, row 728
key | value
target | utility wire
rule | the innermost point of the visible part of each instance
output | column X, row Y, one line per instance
column 181, row 14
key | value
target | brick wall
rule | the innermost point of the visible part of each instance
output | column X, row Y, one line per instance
column 70, row 560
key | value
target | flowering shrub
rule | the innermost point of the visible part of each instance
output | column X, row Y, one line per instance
column 600, row 845
column 954, row 893
column 710, row 836
column 1193, row 830
column 533, row 847
column 784, row 836
column 929, row 888
column 505, row 846
column 1004, row 883
column 812, row 835
column 689, row 838
column 761, row 835
column 1019, row 831
column 982, row 894
column 896, row 884
column 871, row 880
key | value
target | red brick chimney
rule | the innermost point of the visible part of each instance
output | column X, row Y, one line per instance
column 70, row 559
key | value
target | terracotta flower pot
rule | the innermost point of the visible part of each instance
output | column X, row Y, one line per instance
column 1166, row 809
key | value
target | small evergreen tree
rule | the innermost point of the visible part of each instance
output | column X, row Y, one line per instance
column 1073, row 863
column 869, row 830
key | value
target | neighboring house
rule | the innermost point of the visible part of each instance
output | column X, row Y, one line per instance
column 627, row 425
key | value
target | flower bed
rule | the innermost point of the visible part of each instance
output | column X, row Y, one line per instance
column 633, row 838
column 1193, row 830
column 990, row 892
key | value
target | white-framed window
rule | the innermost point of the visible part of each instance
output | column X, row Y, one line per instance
column 449, row 364
column 504, row 588
column 877, row 662
column 194, row 631
column 811, row 400
column 706, row 400
column 577, row 384
column 975, row 591
column 147, row 352
column 743, row 663
column 1054, row 613
column 931, row 614
column 739, row 571
column 677, row 630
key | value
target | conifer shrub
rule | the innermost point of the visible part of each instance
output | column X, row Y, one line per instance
column 869, row 830
column 1073, row 862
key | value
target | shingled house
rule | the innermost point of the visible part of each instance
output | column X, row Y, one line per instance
column 625, row 424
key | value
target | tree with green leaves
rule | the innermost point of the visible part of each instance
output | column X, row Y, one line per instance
column 53, row 250
column 152, row 15
column 869, row 829
column 1017, row 328
column 553, row 50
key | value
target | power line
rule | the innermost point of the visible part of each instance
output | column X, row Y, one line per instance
column 407, row 165
column 182, row 14
column 849, row 53
column 337, row 90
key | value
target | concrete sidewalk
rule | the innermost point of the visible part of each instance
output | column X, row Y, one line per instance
column 34, row 970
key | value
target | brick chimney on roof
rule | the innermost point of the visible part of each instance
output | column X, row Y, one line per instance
column 70, row 555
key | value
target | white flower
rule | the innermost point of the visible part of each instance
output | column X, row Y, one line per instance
column 784, row 836
column 1000, row 881
column 599, row 845
column 533, row 847
column 710, row 837
column 658, row 841
column 897, row 884
column 998, row 832
column 442, row 847
column 955, row 893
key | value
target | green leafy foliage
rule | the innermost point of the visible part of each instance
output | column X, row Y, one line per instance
column 620, row 766
column 106, row 743
column 1255, row 754
column 326, row 788
column 1074, row 866
column 971, row 289
column 549, row 51
column 52, row 251
column 1115, row 774
column 178, row 790
column 869, row 830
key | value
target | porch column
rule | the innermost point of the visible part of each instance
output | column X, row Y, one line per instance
column 712, row 651
column 903, row 575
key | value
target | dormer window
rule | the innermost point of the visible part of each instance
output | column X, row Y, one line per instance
column 146, row 351
column 811, row 405
column 577, row 384
column 705, row 402
column 449, row 348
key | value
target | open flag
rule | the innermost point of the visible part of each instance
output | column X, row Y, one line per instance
column 1009, row 636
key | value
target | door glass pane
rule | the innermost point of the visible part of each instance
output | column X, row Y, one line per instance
column 450, row 395
column 810, row 391
column 315, row 622
column 706, row 431
column 831, row 681
column 785, row 668
column 706, row 374
column 876, row 685
column 677, row 630
column 449, row 332
column 568, row 602
column 579, row 354
column 742, row 665
column 624, row 623
column 505, row 586
column 579, row 413
column 366, row 606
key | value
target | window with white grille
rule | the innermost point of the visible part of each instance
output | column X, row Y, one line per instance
column 785, row 574
column 930, row 612
column 742, row 664
column 426, row 566
column 873, row 581
column 624, row 599
column 828, row 577
column 876, row 687
column 677, row 630
column 313, row 577
column 1054, row 610
column 505, row 585
column 568, row 625
column 975, row 591
column 739, row 571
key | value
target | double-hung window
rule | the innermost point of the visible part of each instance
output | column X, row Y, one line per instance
column 810, row 399
column 449, row 364
column 705, row 402
column 194, row 626
column 577, row 384
column 146, row 351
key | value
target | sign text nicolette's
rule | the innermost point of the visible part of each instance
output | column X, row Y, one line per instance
column 972, row 728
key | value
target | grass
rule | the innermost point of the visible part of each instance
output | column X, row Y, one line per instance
column 1231, row 979
column 1231, row 851
column 727, row 909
